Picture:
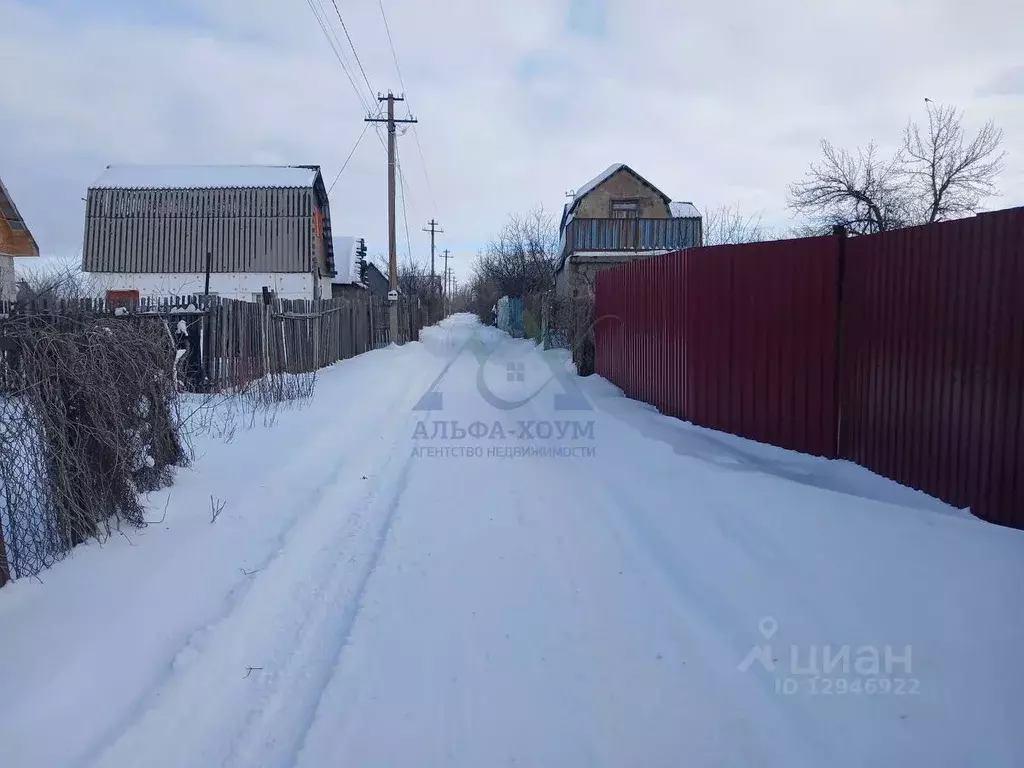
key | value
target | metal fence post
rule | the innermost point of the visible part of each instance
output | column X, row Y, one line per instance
column 837, row 386
column 5, row 570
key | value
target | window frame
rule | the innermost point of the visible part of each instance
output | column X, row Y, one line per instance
column 633, row 201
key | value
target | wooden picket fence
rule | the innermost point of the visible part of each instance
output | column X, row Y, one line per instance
column 227, row 343
column 242, row 341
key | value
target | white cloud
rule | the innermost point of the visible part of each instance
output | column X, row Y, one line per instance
column 714, row 103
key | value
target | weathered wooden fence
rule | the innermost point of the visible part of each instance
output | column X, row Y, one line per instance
column 413, row 316
column 224, row 344
column 241, row 341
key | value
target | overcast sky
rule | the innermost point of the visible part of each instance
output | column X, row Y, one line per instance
column 518, row 101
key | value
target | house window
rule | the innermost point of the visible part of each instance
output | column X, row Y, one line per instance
column 625, row 209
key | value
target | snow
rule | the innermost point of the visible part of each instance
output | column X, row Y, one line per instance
column 372, row 595
column 204, row 177
column 345, row 261
column 680, row 210
column 595, row 182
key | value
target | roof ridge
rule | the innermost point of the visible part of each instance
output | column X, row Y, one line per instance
column 206, row 176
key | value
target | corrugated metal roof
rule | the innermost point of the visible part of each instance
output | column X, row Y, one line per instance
column 682, row 210
column 205, row 177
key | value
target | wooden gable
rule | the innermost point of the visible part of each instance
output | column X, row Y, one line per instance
column 15, row 237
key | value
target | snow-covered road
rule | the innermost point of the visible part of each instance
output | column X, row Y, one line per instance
column 458, row 555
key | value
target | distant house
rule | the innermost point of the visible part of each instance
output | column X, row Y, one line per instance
column 376, row 280
column 617, row 217
column 155, row 230
column 15, row 241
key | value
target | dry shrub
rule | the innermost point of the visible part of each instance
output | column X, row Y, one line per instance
column 98, row 396
column 258, row 403
column 570, row 325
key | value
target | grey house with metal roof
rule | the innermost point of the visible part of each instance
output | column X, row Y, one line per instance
column 158, row 231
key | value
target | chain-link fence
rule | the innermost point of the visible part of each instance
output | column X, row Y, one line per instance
column 88, row 420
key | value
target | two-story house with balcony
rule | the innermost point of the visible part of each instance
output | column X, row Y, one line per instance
column 617, row 217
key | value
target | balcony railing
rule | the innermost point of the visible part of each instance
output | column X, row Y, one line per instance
column 632, row 234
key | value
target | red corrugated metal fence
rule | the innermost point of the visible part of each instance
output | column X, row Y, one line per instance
column 930, row 334
column 737, row 338
column 933, row 360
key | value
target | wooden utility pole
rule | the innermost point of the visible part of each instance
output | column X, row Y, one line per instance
column 433, row 279
column 446, row 257
column 392, row 247
column 433, row 229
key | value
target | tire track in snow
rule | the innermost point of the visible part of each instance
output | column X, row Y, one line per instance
column 279, row 621
column 262, row 744
column 196, row 641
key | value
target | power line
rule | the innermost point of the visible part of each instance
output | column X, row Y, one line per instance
column 345, row 164
column 403, row 191
column 391, row 43
column 353, row 47
column 335, row 44
column 423, row 163
column 415, row 133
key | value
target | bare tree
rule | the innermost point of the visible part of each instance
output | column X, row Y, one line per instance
column 55, row 283
column 726, row 225
column 413, row 277
column 413, row 280
column 519, row 261
column 950, row 178
column 935, row 175
column 521, row 258
column 858, row 190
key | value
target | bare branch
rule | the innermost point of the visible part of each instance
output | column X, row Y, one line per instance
column 519, row 261
column 936, row 174
column 725, row 225
column 216, row 507
column 88, row 420
column 858, row 190
column 949, row 177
